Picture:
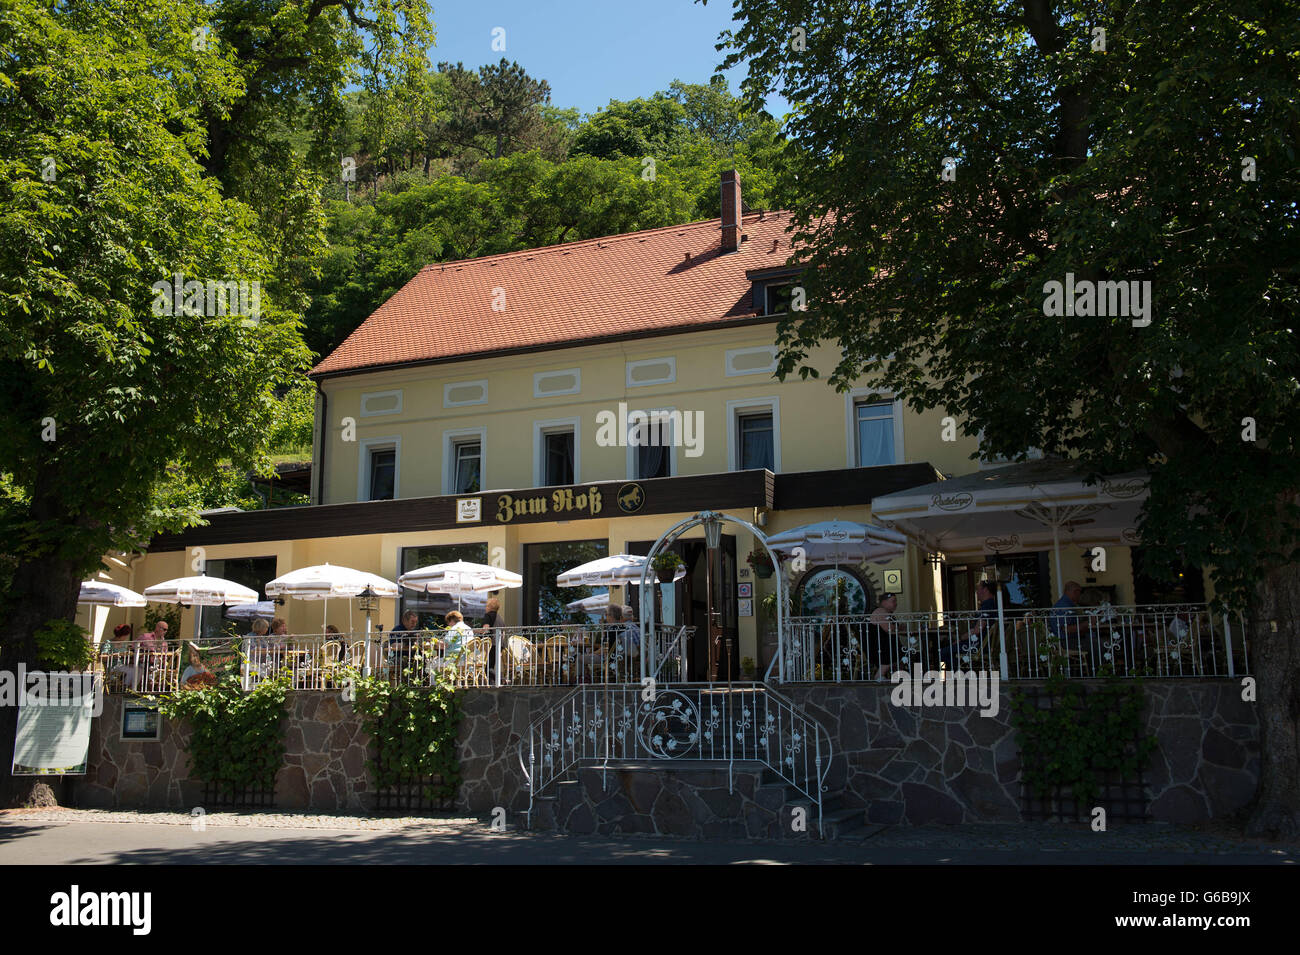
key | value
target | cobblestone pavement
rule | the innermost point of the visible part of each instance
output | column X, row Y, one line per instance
column 99, row 836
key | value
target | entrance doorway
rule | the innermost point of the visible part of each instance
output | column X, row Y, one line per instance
column 692, row 603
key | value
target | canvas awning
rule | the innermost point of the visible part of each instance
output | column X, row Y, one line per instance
column 1023, row 506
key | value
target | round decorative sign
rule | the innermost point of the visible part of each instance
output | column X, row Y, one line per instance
column 630, row 498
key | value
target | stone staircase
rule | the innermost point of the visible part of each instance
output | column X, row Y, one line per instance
column 691, row 800
column 699, row 761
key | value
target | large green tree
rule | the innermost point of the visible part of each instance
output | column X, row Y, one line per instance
column 1161, row 150
column 117, row 405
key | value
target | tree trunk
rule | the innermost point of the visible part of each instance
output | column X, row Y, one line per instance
column 1275, row 661
column 44, row 589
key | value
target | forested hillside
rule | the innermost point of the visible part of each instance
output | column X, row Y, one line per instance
column 463, row 163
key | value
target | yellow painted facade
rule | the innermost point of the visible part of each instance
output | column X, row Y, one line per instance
column 713, row 373
column 813, row 422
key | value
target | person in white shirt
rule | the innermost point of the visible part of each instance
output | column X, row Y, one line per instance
column 631, row 633
column 457, row 635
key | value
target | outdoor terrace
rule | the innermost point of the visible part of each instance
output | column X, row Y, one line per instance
column 1158, row 642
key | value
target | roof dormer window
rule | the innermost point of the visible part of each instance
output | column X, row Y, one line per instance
column 776, row 297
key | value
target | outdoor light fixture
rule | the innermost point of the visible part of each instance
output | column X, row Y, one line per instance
column 712, row 530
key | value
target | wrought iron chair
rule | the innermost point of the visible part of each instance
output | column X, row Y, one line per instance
column 521, row 660
column 474, row 661
column 161, row 670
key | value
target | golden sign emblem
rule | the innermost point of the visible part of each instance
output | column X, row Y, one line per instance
column 630, row 498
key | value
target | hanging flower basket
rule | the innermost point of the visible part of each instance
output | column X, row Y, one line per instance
column 665, row 566
column 761, row 563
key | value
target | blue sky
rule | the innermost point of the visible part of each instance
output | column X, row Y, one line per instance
column 591, row 51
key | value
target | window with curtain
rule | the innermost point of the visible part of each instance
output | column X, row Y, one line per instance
column 469, row 456
column 754, row 441
column 652, row 462
column 875, row 429
column 383, row 472
column 557, row 460
column 652, row 441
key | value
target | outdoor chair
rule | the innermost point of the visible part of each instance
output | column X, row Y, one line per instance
column 161, row 670
column 555, row 654
column 520, row 660
column 328, row 663
column 474, row 662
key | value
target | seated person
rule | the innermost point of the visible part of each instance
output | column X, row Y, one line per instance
column 985, row 623
column 457, row 635
column 881, row 627
column 631, row 633
column 1063, row 622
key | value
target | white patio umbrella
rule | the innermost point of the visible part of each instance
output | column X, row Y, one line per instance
column 470, row 603
column 593, row 604
column 840, row 542
column 458, row 578
column 252, row 611
column 618, row 570
column 201, row 591
column 102, row 593
column 325, row 581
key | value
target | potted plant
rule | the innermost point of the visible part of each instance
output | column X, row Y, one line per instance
column 761, row 563
column 665, row 566
column 747, row 668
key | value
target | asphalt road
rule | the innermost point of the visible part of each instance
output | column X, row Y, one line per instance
column 26, row 842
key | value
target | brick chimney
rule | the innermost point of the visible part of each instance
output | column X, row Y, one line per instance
column 730, row 211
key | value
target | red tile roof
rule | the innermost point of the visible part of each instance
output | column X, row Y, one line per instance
column 637, row 283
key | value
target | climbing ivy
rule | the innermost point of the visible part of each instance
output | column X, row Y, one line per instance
column 414, row 729
column 1085, row 732
column 236, row 740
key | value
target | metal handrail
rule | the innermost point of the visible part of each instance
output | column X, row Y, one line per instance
column 668, row 723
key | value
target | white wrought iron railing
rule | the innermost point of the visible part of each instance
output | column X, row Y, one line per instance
column 561, row 655
column 732, row 722
column 673, row 659
column 1160, row 641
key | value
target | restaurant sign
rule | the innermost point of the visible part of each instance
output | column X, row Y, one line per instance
column 567, row 503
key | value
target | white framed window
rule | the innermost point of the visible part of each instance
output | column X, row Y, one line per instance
column 776, row 297
column 378, row 469
column 565, row 382
column 751, row 361
column 651, row 371
column 556, row 452
column 456, row 394
column 874, row 429
column 381, row 402
column 754, row 434
column 655, row 452
column 464, row 459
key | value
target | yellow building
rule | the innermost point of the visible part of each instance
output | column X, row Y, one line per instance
column 499, row 409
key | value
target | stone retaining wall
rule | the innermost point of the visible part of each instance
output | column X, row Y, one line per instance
column 916, row 765
column 326, row 751
column 902, row 765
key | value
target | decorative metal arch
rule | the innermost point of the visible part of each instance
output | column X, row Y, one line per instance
column 709, row 520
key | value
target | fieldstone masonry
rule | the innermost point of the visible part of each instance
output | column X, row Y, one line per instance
column 326, row 752
column 900, row 765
